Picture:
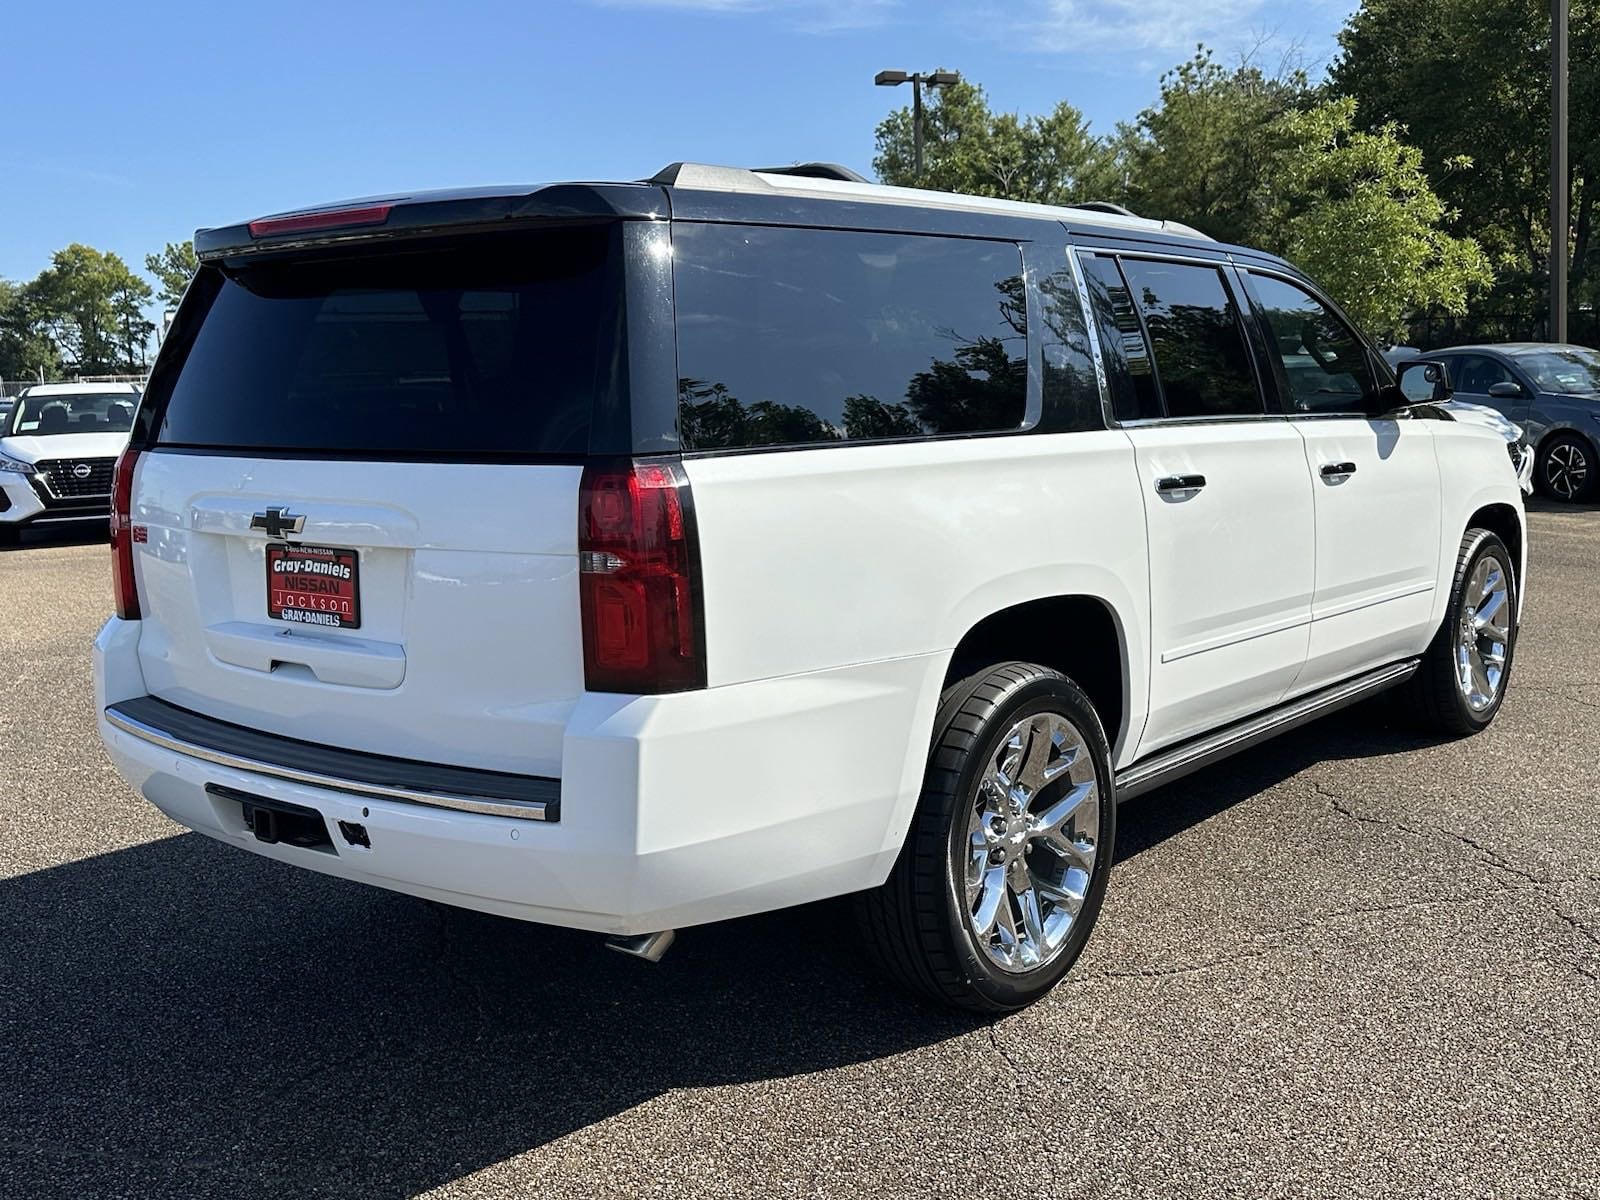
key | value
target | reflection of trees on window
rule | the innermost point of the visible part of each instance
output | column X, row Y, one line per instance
column 982, row 386
column 1201, row 356
column 1071, row 389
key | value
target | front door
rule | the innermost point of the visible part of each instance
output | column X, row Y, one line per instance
column 1376, row 488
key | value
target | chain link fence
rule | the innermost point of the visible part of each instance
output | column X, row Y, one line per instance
column 1435, row 331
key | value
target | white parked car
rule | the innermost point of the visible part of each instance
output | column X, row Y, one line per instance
column 58, row 445
column 634, row 556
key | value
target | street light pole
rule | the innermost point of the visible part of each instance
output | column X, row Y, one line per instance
column 934, row 79
column 916, row 123
column 1560, row 180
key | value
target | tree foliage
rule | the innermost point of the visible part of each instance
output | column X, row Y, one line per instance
column 1356, row 211
column 1050, row 159
column 1472, row 78
column 83, row 314
column 172, row 268
column 1209, row 151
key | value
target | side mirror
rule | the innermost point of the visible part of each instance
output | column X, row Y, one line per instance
column 1506, row 389
column 1425, row 381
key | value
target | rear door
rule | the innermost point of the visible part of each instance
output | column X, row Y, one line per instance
column 1376, row 483
column 1227, row 500
column 359, row 493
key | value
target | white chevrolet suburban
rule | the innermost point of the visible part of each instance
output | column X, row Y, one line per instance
column 633, row 556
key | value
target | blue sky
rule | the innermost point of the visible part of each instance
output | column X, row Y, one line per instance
column 128, row 125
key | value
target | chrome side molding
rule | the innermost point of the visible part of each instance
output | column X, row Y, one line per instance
column 1174, row 763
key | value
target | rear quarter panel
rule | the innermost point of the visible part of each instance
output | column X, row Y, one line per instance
column 822, row 558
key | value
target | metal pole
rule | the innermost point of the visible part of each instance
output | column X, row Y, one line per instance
column 916, row 117
column 1560, row 181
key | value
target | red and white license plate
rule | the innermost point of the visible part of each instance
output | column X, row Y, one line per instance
column 313, row 585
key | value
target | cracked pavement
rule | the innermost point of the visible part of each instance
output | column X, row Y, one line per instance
column 1350, row 962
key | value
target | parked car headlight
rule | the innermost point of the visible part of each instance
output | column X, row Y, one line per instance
column 12, row 464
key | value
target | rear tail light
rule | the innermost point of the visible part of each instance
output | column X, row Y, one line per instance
column 639, row 580
column 122, row 584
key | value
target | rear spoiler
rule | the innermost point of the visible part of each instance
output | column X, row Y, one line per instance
column 422, row 213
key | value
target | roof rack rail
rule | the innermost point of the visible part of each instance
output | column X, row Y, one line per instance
column 815, row 170
column 1104, row 206
column 700, row 174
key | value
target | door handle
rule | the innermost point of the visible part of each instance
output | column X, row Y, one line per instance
column 1180, row 483
column 1338, row 470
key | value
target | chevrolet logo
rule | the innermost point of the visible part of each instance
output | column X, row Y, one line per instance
column 277, row 522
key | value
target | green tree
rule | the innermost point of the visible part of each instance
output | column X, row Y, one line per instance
column 172, row 268
column 1471, row 78
column 1356, row 211
column 24, row 350
column 1207, row 152
column 1050, row 159
column 90, row 306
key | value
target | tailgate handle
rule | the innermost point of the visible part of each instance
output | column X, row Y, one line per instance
column 350, row 661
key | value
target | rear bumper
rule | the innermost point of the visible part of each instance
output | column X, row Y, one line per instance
column 674, row 810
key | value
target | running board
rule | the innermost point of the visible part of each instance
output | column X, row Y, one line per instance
column 1164, row 767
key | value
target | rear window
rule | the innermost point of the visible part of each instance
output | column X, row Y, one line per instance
column 805, row 336
column 490, row 346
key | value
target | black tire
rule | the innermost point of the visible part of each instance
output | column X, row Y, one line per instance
column 1569, row 469
column 10, row 534
column 1433, row 699
column 918, row 924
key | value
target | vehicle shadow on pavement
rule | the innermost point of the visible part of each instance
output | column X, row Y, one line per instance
column 180, row 1018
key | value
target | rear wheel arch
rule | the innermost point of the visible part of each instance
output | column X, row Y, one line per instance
column 1078, row 635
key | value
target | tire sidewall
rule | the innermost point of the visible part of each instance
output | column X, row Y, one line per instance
column 1485, row 543
column 1043, row 693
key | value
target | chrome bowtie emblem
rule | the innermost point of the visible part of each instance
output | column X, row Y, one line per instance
column 81, row 471
column 276, row 522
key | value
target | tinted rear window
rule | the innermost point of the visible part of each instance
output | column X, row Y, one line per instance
column 797, row 336
column 490, row 346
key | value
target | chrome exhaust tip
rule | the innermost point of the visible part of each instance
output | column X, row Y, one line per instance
column 648, row 946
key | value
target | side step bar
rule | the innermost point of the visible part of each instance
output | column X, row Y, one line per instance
column 1174, row 763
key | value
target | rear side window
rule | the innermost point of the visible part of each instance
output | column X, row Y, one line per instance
column 491, row 346
column 1202, row 358
column 1134, row 396
column 806, row 336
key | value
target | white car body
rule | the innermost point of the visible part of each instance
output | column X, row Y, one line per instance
column 35, row 497
column 838, row 583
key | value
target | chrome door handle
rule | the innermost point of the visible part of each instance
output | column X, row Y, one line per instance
column 1180, row 483
column 1338, row 470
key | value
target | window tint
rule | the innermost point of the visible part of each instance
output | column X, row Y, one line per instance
column 1325, row 365
column 1071, row 389
column 1201, row 356
column 1132, row 378
column 491, row 346
column 796, row 336
column 1477, row 373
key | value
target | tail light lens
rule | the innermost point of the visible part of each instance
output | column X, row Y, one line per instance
column 122, row 584
column 639, row 580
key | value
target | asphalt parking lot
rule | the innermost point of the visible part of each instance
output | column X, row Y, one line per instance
column 1351, row 962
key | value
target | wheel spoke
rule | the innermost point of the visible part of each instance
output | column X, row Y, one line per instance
column 1049, row 822
column 1032, row 924
column 990, row 902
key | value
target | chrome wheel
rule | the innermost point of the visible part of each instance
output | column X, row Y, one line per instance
column 1032, row 839
column 1483, row 638
column 1566, row 470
